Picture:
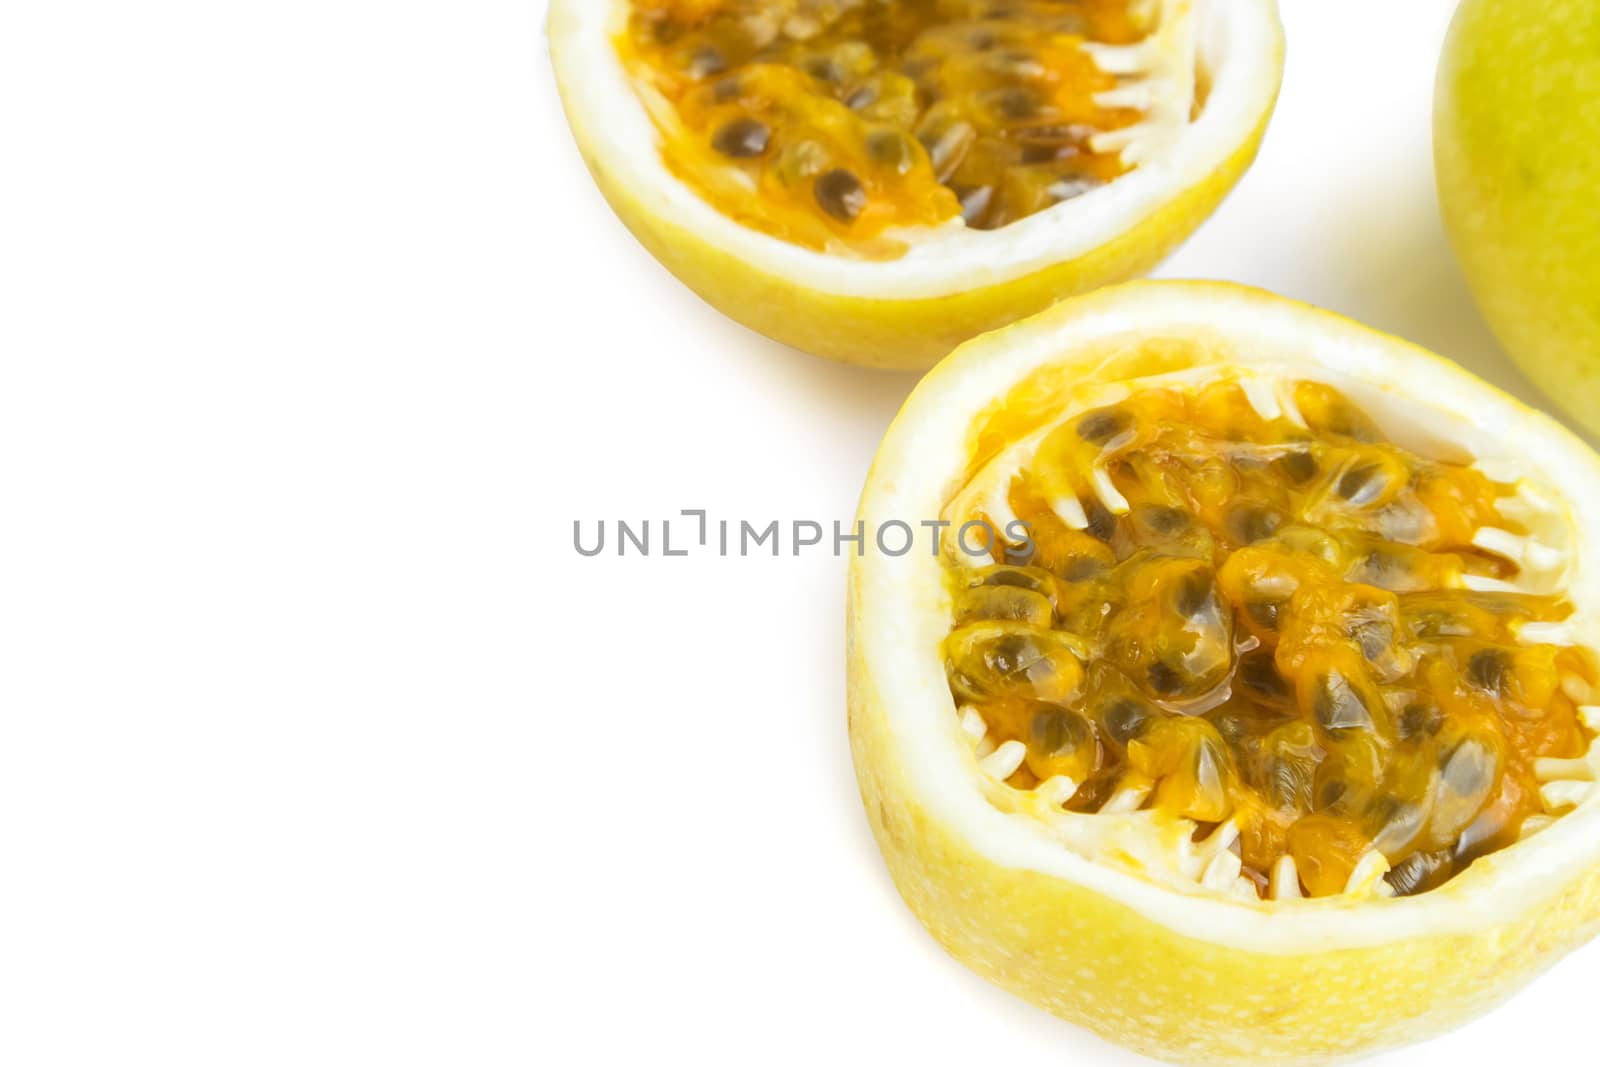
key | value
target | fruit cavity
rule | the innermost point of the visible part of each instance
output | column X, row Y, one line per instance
column 845, row 125
column 1241, row 604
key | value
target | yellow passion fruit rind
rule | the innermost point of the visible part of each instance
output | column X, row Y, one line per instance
column 879, row 182
column 1271, row 741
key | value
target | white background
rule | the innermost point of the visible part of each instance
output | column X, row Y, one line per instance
column 320, row 743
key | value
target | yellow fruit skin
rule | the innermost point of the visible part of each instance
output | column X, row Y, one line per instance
column 1517, row 151
column 1100, row 964
column 907, row 334
column 897, row 334
column 1137, row 982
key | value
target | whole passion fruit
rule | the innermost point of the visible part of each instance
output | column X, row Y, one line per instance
column 878, row 181
column 1246, row 712
column 1517, row 150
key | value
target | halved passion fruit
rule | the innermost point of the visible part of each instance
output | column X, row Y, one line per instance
column 879, row 180
column 1244, row 711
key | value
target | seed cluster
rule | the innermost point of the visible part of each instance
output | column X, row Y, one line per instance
column 829, row 122
column 1274, row 632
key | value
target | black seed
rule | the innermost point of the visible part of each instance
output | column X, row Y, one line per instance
column 706, row 61
column 726, row 89
column 1165, row 679
column 981, row 41
column 1487, row 669
column 1374, row 637
column 947, row 144
column 1401, row 521
column 1084, row 568
column 840, row 194
column 1385, row 569
column 1098, row 427
column 1019, row 555
column 865, row 96
column 1093, row 794
column 892, row 149
column 1420, row 720
column 1249, row 523
column 1470, row 769
column 824, row 69
column 1126, row 719
column 1297, row 468
column 1164, row 521
column 1018, row 579
column 1338, row 705
column 1257, row 671
column 1102, row 524
column 1418, row 873
column 1329, row 793
column 1232, row 728
column 1362, row 484
column 1384, row 808
column 1041, row 672
column 1264, row 613
column 1010, row 654
column 1398, row 822
column 1194, row 594
column 1344, row 419
column 743, row 138
column 1016, row 63
column 1017, row 103
column 1042, row 152
column 1057, row 733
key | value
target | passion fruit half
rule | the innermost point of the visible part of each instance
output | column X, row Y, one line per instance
column 878, row 181
column 1244, row 711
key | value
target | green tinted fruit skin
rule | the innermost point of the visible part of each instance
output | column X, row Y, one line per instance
column 1517, row 152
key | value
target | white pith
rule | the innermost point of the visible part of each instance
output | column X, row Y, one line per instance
column 1235, row 42
column 1197, row 887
